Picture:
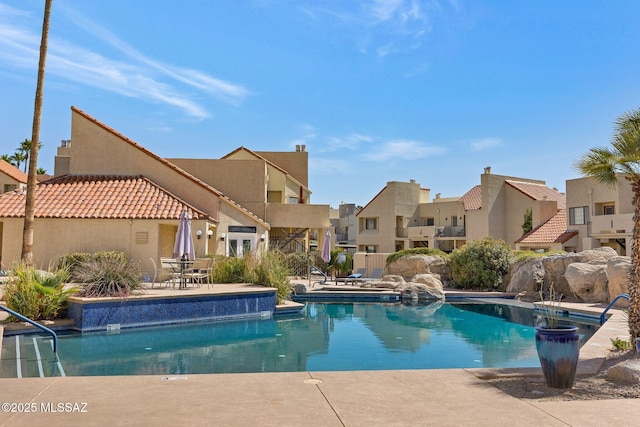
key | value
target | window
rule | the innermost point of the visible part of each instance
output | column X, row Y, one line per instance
column 578, row 216
column 429, row 221
column 608, row 210
column 370, row 224
column 371, row 249
column 10, row 187
column 293, row 200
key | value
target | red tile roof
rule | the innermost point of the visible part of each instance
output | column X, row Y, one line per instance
column 13, row 172
column 100, row 197
column 552, row 231
column 472, row 199
column 539, row 192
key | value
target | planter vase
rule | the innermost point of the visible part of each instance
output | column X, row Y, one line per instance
column 558, row 351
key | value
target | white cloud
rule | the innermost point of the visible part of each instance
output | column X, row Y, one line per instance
column 381, row 26
column 485, row 144
column 402, row 149
column 136, row 75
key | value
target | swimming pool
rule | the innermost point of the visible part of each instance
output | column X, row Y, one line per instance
column 327, row 337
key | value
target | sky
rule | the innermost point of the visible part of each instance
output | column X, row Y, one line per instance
column 377, row 90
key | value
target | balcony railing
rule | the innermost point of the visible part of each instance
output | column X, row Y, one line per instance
column 449, row 231
column 612, row 224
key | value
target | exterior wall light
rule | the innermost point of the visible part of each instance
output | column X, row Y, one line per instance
column 209, row 234
column 222, row 236
column 199, row 234
column 262, row 237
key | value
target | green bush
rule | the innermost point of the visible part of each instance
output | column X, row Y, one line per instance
column 228, row 270
column 480, row 264
column 338, row 268
column 108, row 275
column 415, row 251
column 71, row 261
column 271, row 270
column 37, row 295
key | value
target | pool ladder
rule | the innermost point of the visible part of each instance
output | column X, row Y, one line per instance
column 37, row 325
column 56, row 366
column 611, row 304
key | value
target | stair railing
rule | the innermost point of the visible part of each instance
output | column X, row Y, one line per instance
column 37, row 325
column 611, row 304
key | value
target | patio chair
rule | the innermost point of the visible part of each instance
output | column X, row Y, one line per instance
column 199, row 271
column 169, row 266
column 162, row 272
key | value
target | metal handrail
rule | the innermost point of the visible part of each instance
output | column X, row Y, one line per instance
column 37, row 325
column 625, row 296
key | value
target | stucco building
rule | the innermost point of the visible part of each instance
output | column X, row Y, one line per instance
column 111, row 193
column 602, row 216
column 402, row 216
column 11, row 178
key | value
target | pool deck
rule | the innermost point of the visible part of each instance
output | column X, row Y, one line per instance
column 451, row 397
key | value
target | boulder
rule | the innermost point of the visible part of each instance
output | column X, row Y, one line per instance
column 626, row 372
column 409, row 266
column 555, row 266
column 525, row 276
column 618, row 269
column 299, row 288
column 422, row 287
column 588, row 281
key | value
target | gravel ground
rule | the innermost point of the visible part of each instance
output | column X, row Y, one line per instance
column 595, row 387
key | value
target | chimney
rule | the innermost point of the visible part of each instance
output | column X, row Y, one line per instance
column 297, row 148
column 487, row 170
column 438, row 195
column 303, row 148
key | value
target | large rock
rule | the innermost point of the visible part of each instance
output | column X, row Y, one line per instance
column 555, row 266
column 422, row 287
column 588, row 281
column 409, row 266
column 618, row 269
column 627, row 372
column 525, row 276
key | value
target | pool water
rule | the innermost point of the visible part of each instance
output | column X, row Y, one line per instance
column 328, row 337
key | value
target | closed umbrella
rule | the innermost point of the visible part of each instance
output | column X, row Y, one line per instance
column 326, row 247
column 183, row 248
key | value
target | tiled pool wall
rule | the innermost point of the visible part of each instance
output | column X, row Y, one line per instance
column 129, row 313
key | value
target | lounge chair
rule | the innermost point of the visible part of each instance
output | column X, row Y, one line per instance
column 358, row 277
column 352, row 277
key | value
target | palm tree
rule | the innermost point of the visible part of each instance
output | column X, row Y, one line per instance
column 29, row 208
column 604, row 164
column 7, row 158
column 17, row 158
column 25, row 149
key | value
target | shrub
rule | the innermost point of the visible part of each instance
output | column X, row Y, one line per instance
column 228, row 270
column 341, row 268
column 108, row 276
column 71, row 261
column 37, row 295
column 415, row 251
column 481, row 264
column 271, row 270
